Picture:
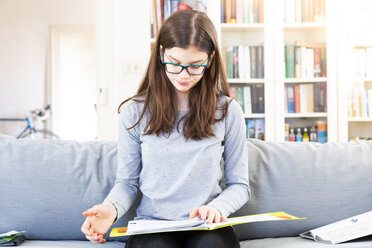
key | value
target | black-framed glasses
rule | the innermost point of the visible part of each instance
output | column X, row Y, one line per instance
column 192, row 70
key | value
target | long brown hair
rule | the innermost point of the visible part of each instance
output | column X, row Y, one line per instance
column 185, row 28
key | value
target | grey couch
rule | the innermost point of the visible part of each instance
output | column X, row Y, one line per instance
column 46, row 185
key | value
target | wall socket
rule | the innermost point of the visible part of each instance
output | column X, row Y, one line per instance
column 132, row 68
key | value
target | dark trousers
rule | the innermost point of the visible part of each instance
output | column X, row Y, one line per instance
column 219, row 238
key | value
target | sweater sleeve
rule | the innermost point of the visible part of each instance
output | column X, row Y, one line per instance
column 237, row 190
column 124, row 192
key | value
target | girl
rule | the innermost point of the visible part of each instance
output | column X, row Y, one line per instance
column 173, row 135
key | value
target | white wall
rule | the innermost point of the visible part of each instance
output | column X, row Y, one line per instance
column 24, row 36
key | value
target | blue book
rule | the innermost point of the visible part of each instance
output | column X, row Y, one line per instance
column 167, row 8
column 290, row 99
column 251, row 129
column 174, row 6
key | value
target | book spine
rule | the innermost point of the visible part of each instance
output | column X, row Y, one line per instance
column 298, row 62
column 261, row 11
column 230, row 62
column 240, row 97
column 228, row 11
column 246, row 11
column 254, row 97
column 303, row 99
column 260, row 129
column 290, row 99
column 316, row 98
column 236, row 62
column 297, row 102
column 239, row 11
column 260, row 62
column 233, row 11
column 317, row 65
column 247, row 66
column 256, row 11
column 310, row 98
column 323, row 62
column 253, row 62
column 223, row 11
column 290, row 61
column 241, row 59
column 261, row 98
column 247, row 100
column 251, row 129
column 174, row 6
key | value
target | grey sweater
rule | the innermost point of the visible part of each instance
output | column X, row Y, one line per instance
column 175, row 175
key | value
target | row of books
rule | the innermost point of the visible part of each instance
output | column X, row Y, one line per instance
column 244, row 61
column 251, row 98
column 362, row 62
column 242, row 11
column 306, row 98
column 299, row 11
column 162, row 9
column 315, row 133
column 256, row 129
column 360, row 102
column 305, row 60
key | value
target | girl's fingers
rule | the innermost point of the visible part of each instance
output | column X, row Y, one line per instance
column 211, row 216
column 217, row 219
column 194, row 213
column 203, row 213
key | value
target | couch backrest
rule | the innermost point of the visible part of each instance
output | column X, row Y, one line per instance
column 323, row 182
column 45, row 185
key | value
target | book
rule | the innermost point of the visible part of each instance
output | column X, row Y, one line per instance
column 290, row 60
column 341, row 231
column 136, row 227
column 290, row 99
column 260, row 129
column 9, row 237
column 251, row 128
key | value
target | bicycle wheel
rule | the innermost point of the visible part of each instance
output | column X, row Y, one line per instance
column 39, row 134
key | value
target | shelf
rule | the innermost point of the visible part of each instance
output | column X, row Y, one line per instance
column 360, row 120
column 306, row 115
column 303, row 26
column 246, row 81
column 254, row 116
column 242, row 27
column 305, row 80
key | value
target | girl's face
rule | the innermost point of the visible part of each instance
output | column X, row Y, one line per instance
column 183, row 82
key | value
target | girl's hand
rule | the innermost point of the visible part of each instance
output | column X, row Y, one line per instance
column 208, row 213
column 98, row 222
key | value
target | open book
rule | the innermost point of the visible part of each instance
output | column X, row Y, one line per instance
column 342, row 231
column 155, row 226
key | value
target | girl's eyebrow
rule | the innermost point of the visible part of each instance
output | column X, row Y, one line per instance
column 196, row 61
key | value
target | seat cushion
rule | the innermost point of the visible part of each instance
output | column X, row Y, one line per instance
column 45, row 185
column 297, row 242
column 69, row 243
column 323, row 182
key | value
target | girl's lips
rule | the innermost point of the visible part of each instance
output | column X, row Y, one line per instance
column 183, row 83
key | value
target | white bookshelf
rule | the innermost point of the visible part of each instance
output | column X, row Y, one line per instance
column 352, row 35
column 273, row 34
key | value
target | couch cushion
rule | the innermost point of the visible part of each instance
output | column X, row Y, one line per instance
column 323, row 182
column 70, row 244
column 45, row 185
column 297, row 242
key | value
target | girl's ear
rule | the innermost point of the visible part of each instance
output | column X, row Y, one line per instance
column 161, row 53
column 210, row 60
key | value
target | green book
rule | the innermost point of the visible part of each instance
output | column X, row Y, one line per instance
column 230, row 65
column 240, row 96
column 290, row 61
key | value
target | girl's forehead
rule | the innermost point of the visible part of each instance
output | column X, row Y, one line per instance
column 186, row 54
